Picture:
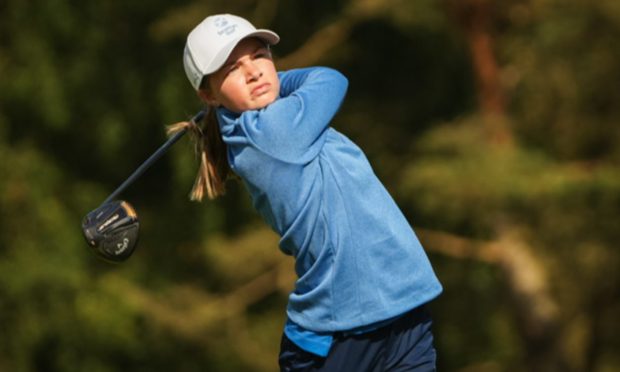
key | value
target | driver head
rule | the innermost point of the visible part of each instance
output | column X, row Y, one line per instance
column 112, row 230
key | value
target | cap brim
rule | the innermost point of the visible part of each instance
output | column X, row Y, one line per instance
column 268, row 36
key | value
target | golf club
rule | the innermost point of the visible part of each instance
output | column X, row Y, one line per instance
column 112, row 229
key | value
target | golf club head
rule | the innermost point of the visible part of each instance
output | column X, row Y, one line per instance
column 112, row 230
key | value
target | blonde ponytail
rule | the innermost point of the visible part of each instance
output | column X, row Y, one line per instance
column 211, row 150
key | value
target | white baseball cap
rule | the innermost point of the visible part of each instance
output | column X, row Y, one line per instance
column 210, row 43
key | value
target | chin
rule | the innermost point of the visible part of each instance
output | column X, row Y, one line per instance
column 264, row 102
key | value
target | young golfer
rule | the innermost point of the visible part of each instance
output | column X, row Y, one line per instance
column 363, row 277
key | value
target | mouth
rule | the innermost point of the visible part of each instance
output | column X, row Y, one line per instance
column 260, row 89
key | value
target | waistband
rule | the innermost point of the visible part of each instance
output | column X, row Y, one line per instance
column 417, row 313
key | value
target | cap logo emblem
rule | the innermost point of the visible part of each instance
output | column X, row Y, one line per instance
column 224, row 27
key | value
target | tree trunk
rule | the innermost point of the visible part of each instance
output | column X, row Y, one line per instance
column 475, row 20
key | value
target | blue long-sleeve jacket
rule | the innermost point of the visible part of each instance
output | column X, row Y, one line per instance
column 357, row 259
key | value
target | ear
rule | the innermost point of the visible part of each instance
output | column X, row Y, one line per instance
column 208, row 97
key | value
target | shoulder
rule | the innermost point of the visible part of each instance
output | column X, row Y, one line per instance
column 315, row 71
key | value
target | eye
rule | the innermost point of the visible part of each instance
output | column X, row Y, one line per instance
column 234, row 67
column 263, row 53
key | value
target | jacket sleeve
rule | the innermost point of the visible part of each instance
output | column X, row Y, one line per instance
column 294, row 127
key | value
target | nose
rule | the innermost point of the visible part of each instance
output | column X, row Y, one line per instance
column 252, row 71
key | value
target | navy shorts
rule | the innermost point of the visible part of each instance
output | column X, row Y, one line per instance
column 403, row 345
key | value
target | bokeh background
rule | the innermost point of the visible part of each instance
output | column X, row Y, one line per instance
column 494, row 124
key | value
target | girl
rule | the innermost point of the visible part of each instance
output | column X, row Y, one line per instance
column 363, row 277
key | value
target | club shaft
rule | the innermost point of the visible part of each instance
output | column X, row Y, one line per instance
column 152, row 159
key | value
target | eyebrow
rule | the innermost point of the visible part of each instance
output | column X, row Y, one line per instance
column 265, row 46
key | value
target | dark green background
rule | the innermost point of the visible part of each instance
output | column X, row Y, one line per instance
column 493, row 124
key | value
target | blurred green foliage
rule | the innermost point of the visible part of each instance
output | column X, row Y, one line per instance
column 86, row 89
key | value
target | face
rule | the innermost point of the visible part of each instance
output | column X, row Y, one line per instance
column 247, row 81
